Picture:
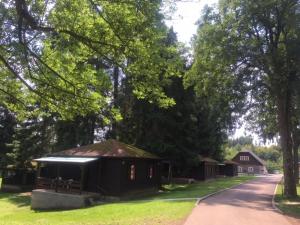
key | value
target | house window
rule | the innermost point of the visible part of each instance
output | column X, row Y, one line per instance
column 132, row 172
column 151, row 172
column 240, row 169
column 250, row 169
column 244, row 158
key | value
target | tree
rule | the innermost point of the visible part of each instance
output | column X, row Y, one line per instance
column 246, row 50
column 48, row 49
column 77, row 132
column 7, row 131
column 32, row 138
column 177, row 133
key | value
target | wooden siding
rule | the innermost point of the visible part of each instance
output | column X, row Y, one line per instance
column 252, row 161
column 109, row 176
column 205, row 170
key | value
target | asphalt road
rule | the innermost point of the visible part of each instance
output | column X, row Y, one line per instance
column 247, row 204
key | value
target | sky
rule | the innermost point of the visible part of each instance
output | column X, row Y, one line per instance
column 185, row 18
column 184, row 21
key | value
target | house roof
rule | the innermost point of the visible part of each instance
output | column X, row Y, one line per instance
column 109, row 148
column 255, row 156
column 230, row 162
column 77, row 160
column 206, row 159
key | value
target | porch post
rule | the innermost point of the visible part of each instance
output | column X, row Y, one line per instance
column 38, row 169
column 169, row 172
column 57, row 177
column 82, row 168
column 38, row 174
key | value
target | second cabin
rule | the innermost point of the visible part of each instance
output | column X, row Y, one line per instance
column 206, row 169
column 109, row 168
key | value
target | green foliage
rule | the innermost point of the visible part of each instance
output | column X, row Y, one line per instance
column 272, row 156
column 7, row 130
column 178, row 133
column 246, row 58
column 32, row 138
column 57, row 54
column 243, row 140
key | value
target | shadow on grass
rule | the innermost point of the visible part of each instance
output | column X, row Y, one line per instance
column 18, row 199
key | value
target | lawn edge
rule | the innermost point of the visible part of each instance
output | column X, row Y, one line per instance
column 220, row 191
column 274, row 203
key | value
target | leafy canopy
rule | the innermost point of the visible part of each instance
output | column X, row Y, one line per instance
column 56, row 55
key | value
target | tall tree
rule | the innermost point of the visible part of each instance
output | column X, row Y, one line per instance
column 251, row 47
column 32, row 138
column 190, row 127
column 77, row 132
column 7, row 131
column 46, row 48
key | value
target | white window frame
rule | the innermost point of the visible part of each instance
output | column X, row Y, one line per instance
column 132, row 174
column 240, row 169
column 244, row 158
column 250, row 169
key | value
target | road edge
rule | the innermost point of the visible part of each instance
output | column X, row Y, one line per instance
column 274, row 204
column 220, row 191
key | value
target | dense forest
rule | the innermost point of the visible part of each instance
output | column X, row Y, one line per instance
column 77, row 72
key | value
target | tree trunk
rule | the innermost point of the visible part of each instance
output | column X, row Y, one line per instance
column 283, row 112
column 115, row 99
column 296, row 164
column 296, row 144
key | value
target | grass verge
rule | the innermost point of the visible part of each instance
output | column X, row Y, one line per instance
column 15, row 208
column 288, row 206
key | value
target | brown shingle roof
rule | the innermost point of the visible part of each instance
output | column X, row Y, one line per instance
column 231, row 162
column 206, row 159
column 109, row 148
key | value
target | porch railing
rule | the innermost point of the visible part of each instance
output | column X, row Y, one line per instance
column 59, row 185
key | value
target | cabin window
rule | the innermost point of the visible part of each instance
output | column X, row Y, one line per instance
column 250, row 169
column 240, row 169
column 151, row 172
column 132, row 172
column 244, row 158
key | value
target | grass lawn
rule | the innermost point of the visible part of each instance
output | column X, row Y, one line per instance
column 15, row 208
column 288, row 206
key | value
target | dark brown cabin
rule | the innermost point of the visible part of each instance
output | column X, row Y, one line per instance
column 110, row 168
column 207, row 169
column 228, row 168
column 250, row 163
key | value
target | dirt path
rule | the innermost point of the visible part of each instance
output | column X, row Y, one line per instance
column 247, row 204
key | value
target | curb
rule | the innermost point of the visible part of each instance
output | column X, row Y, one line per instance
column 274, row 204
column 220, row 191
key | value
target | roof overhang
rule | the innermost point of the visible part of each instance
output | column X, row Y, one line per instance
column 74, row 160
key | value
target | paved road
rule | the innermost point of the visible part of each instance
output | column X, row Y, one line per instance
column 247, row 204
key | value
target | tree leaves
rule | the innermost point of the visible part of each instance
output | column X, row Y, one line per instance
column 50, row 49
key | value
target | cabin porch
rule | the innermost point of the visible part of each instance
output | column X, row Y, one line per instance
column 65, row 174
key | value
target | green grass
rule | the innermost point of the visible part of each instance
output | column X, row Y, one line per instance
column 15, row 208
column 288, row 206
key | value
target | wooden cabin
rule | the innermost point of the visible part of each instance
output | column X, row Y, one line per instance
column 228, row 168
column 206, row 169
column 110, row 168
column 250, row 163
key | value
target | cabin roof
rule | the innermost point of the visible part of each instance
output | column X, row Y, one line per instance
column 230, row 162
column 78, row 160
column 108, row 148
column 206, row 159
column 255, row 156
